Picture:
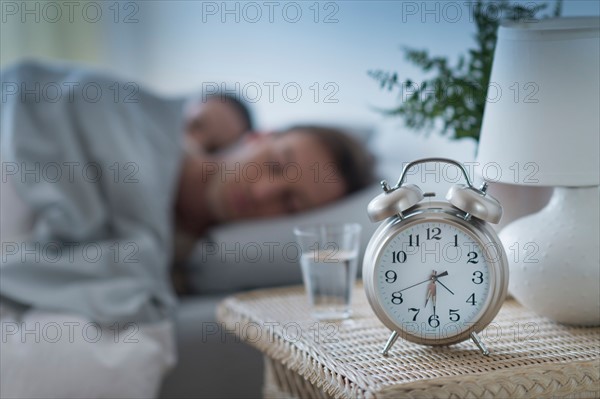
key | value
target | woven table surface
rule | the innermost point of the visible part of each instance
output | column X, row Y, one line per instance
column 531, row 356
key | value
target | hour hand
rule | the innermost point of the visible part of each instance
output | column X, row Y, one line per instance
column 431, row 294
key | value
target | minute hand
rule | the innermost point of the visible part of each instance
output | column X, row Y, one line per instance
column 424, row 281
column 442, row 284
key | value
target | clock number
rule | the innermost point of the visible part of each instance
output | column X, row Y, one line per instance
column 454, row 316
column 416, row 314
column 434, row 321
column 390, row 276
column 471, row 299
column 477, row 277
column 398, row 257
column 397, row 298
column 472, row 257
column 434, row 234
column 410, row 241
column 456, row 240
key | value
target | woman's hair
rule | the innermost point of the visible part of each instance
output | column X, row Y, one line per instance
column 234, row 100
column 237, row 103
column 354, row 163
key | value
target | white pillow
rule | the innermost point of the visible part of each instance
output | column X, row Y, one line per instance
column 395, row 145
column 263, row 252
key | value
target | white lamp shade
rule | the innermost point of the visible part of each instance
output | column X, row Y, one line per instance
column 542, row 119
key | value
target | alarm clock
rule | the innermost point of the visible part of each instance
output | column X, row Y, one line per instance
column 435, row 272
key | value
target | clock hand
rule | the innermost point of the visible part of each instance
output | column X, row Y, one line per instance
column 414, row 285
column 443, row 285
column 431, row 289
column 424, row 281
column 431, row 294
column 433, row 298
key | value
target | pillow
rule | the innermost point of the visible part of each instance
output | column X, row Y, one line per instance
column 263, row 253
column 395, row 145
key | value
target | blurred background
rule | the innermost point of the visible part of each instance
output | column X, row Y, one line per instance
column 294, row 61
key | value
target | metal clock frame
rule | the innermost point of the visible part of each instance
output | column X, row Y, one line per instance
column 438, row 211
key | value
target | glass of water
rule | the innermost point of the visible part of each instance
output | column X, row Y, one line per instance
column 329, row 259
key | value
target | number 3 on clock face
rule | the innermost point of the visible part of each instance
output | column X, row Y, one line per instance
column 432, row 279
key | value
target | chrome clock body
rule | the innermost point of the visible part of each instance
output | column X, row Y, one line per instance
column 483, row 236
column 403, row 285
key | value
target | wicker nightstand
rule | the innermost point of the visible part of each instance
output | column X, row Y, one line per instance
column 530, row 356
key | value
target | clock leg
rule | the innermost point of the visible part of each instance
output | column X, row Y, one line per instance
column 484, row 350
column 389, row 343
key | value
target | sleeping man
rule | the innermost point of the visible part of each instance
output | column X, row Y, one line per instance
column 104, row 185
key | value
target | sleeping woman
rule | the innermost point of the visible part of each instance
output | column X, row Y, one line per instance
column 105, row 185
column 215, row 121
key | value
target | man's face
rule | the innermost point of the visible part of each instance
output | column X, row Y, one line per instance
column 213, row 125
column 272, row 175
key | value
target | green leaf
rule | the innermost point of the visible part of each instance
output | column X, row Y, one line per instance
column 455, row 96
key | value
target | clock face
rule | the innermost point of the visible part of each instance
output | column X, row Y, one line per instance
column 433, row 280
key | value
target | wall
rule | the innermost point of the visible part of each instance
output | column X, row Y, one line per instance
column 323, row 48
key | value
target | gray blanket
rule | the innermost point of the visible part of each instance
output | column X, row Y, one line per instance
column 98, row 165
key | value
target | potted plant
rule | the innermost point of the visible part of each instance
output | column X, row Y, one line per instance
column 454, row 97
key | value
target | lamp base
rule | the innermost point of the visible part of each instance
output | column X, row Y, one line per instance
column 518, row 201
column 554, row 257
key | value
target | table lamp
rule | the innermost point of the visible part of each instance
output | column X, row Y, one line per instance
column 541, row 127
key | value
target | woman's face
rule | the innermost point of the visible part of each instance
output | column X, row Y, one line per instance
column 212, row 126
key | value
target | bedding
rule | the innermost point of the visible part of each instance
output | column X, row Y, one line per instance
column 101, row 241
column 79, row 323
column 49, row 354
